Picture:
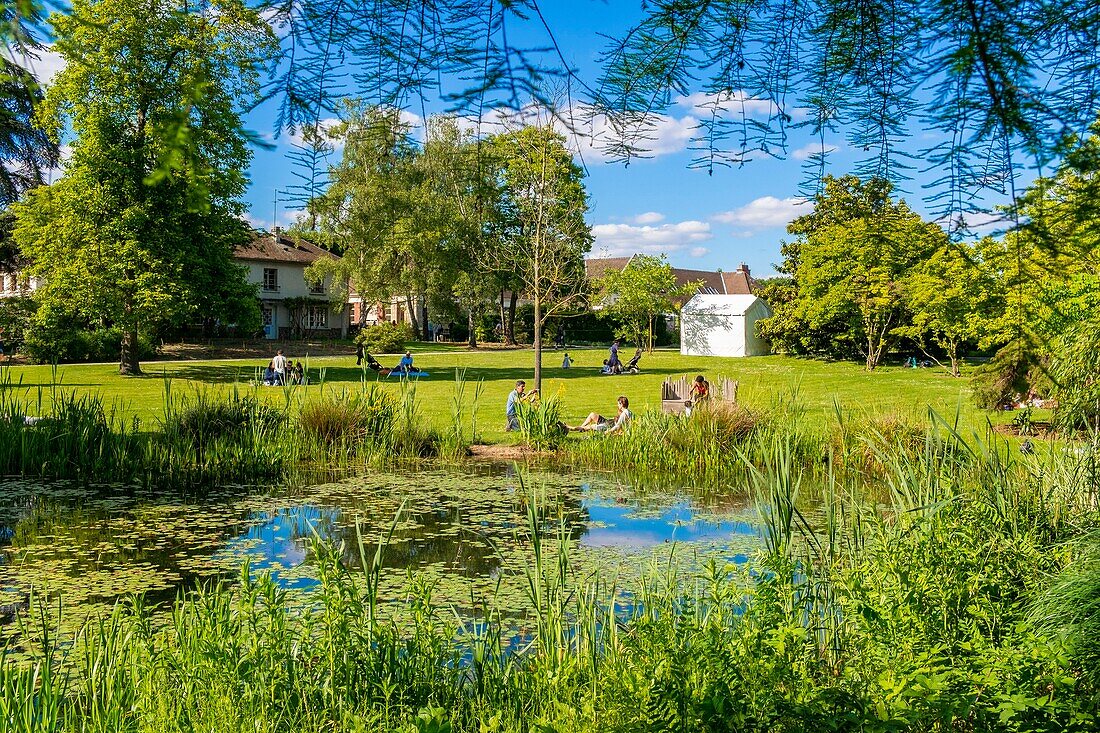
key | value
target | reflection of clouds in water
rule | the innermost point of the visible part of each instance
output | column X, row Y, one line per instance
column 278, row 541
column 624, row 526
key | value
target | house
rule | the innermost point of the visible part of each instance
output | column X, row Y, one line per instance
column 738, row 282
column 713, row 324
column 14, row 283
column 290, row 305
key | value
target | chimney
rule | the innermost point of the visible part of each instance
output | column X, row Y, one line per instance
column 744, row 268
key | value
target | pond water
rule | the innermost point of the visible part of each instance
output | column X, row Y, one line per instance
column 465, row 527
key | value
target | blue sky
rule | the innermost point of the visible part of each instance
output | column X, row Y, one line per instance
column 656, row 205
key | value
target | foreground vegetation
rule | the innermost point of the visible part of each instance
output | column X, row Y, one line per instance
column 953, row 590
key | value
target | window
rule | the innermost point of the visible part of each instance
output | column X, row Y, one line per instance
column 271, row 279
column 268, row 313
column 317, row 317
column 317, row 288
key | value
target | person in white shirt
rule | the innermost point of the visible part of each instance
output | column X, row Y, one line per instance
column 278, row 365
column 600, row 424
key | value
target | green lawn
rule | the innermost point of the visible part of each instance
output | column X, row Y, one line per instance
column 818, row 384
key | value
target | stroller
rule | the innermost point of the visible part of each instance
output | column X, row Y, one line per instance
column 631, row 367
column 373, row 365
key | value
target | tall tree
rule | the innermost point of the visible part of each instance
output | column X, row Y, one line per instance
column 139, row 231
column 377, row 207
column 637, row 295
column 543, row 236
column 947, row 296
column 849, row 261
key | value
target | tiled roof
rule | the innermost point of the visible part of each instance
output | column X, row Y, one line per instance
column 738, row 282
column 280, row 248
column 712, row 281
column 597, row 267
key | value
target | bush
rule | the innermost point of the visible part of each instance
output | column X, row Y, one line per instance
column 369, row 415
column 56, row 343
column 16, row 316
column 385, row 338
column 1013, row 371
column 206, row 417
column 540, row 423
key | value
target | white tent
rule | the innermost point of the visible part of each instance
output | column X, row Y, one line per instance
column 722, row 325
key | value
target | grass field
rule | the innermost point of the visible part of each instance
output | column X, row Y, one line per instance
column 816, row 384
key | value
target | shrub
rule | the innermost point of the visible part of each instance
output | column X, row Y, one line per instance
column 540, row 423
column 207, row 417
column 56, row 343
column 351, row 419
column 726, row 423
column 385, row 338
column 1014, row 370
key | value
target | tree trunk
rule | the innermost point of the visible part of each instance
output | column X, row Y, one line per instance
column 411, row 309
column 472, row 343
column 953, row 352
column 427, row 331
column 129, row 363
column 538, row 344
column 510, row 325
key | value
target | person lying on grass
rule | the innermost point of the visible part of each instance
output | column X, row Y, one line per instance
column 600, row 424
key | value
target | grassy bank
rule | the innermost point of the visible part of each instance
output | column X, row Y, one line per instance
column 956, row 596
column 891, row 389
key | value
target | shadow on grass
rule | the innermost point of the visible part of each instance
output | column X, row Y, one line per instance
column 229, row 374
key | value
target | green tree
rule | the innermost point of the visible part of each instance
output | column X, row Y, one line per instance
column 541, row 236
column 139, row 231
column 947, row 296
column 377, row 211
column 637, row 295
column 850, row 260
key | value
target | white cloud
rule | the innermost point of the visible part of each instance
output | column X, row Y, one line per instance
column 588, row 133
column 48, row 64
column 736, row 102
column 620, row 240
column 649, row 217
column 814, row 148
column 699, row 252
column 765, row 212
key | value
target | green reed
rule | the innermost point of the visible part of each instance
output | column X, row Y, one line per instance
column 946, row 614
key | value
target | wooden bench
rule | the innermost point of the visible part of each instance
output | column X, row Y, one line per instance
column 675, row 393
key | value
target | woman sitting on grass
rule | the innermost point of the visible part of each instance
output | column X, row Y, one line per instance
column 601, row 424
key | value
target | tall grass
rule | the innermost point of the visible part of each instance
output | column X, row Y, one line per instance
column 207, row 437
column 935, row 611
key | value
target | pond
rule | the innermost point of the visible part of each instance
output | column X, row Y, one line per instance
column 465, row 528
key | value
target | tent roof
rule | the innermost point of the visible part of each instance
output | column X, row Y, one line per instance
column 720, row 305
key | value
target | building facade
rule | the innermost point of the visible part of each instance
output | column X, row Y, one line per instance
column 291, row 306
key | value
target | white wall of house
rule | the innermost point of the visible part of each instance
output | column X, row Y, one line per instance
column 722, row 325
column 282, row 281
column 15, row 284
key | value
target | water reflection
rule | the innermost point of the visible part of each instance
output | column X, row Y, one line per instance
column 93, row 545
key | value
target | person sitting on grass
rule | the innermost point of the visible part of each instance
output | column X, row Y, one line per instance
column 516, row 396
column 600, row 424
column 406, row 363
column 700, row 392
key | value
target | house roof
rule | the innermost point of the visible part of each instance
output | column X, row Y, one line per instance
column 712, row 281
column 720, row 305
column 738, row 282
column 597, row 267
column 280, row 248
